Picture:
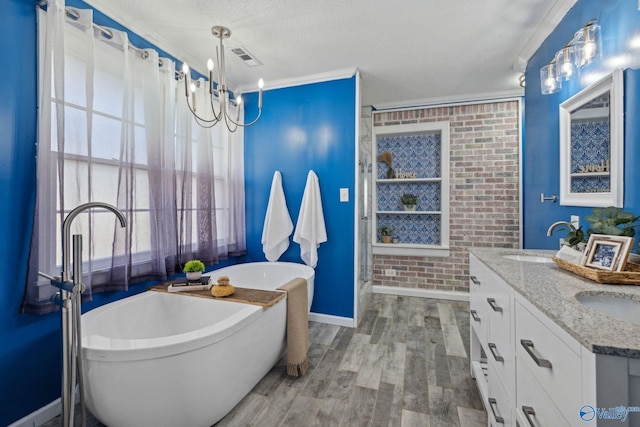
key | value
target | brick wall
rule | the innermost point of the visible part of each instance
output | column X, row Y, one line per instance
column 484, row 192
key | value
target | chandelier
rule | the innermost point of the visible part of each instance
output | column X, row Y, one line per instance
column 217, row 92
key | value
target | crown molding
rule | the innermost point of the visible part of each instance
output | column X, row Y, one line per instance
column 447, row 100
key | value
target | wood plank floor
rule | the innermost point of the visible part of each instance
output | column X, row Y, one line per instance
column 407, row 364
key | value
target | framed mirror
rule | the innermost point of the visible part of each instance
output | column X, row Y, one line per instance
column 592, row 145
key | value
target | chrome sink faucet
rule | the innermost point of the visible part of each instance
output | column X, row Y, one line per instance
column 560, row 224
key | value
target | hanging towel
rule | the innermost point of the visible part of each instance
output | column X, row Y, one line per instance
column 297, row 326
column 277, row 222
column 310, row 228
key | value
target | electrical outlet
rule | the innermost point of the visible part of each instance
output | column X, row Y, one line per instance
column 390, row 272
column 575, row 221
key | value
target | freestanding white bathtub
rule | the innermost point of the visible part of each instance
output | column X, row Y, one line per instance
column 158, row 359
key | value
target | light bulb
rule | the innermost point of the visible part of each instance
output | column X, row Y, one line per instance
column 260, row 84
column 210, row 64
column 185, row 68
column 589, row 50
column 193, row 87
column 550, row 83
column 239, row 100
column 567, row 68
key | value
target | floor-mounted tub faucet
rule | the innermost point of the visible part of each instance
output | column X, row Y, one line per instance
column 559, row 224
column 70, row 300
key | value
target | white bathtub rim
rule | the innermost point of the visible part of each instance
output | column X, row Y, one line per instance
column 98, row 347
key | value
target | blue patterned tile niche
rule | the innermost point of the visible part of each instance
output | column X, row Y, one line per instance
column 589, row 147
column 389, row 194
column 419, row 153
column 413, row 229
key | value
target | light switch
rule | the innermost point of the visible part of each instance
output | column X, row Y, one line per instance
column 344, row 194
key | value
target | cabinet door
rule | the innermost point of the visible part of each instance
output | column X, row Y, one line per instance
column 555, row 366
column 534, row 407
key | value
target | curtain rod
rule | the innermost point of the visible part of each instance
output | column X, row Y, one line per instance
column 75, row 15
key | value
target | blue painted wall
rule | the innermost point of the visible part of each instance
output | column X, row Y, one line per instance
column 620, row 22
column 29, row 345
column 309, row 127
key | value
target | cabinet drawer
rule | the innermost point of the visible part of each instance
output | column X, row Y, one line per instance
column 499, row 310
column 502, row 364
column 478, row 280
column 498, row 404
column 534, row 408
column 550, row 361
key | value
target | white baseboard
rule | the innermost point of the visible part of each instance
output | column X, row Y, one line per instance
column 332, row 320
column 421, row 293
column 40, row 416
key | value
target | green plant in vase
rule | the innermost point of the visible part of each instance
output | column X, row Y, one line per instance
column 385, row 232
column 409, row 201
column 193, row 269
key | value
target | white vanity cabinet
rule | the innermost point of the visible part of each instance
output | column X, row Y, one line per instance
column 530, row 371
column 493, row 358
column 525, row 370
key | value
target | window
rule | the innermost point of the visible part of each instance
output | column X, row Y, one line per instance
column 113, row 129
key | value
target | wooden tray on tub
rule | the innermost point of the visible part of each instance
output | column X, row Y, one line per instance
column 260, row 297
column 630, row 276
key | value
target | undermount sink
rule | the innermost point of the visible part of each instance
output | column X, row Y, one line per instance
column 528, row 258
column 618, row 307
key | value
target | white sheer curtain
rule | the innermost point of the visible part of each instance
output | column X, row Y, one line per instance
column 114, row 128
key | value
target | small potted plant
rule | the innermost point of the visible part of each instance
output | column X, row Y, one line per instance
column 194, row 269
column 386, row 232
column 409, row 201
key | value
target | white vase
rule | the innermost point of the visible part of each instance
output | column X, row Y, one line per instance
column 409, row 208
column 194, row 276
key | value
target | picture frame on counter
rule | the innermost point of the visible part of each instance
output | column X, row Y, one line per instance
column 605, row 252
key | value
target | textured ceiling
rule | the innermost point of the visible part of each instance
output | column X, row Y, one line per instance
column 408, row 52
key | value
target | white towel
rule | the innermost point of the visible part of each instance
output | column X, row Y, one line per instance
column 310, row 228
column 277, row 222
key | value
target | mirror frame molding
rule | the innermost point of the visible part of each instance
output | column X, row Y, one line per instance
column 614, row 83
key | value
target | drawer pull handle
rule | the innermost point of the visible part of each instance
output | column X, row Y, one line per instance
column 528, row 346
column 492, row 303
column 494, row 350
column 474, row 314
column 492, row 403
column 475, row 280
column 528, row 413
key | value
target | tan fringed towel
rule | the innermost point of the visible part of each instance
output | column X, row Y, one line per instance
column 297, row 326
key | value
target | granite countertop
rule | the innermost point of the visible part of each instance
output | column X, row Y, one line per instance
column 553, row 291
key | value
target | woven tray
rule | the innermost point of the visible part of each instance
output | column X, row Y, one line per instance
column 631, row 275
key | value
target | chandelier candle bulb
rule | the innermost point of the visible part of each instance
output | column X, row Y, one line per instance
column 210, row 68
column 185, row 71
column 260, row 86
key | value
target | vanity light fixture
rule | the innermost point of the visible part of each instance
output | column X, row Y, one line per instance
column 578, row 53
column 219, row 91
